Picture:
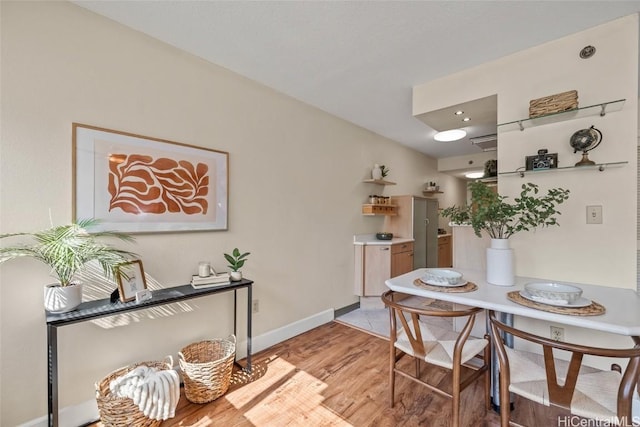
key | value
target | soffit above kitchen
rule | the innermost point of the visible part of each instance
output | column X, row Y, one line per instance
column 359, row 60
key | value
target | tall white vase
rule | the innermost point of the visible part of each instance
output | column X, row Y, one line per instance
column 376, row 172
column 500, row 268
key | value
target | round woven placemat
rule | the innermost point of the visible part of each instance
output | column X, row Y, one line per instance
column 594, row 309
column 469, row 287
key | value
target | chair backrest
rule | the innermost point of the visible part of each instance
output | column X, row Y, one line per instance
column 398, row 309
column 561, row 395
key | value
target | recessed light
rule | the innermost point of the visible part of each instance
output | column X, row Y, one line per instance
column 474, row 175
column 459, row 113
column 466, row 119
column 450, row 135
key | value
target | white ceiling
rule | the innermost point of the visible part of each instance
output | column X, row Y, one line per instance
column 359, row 60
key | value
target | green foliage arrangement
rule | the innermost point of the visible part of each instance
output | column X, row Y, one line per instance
column 490, row 211
column 236, row 260
column 67, row 248
column 384, row 170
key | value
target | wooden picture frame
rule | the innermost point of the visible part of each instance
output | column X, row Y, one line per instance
column 138, row 184
column 130, row 279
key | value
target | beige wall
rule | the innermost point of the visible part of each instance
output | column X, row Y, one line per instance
column 599, row 254
column 295, row 190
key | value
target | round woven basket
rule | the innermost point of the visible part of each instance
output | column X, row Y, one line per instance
column 207, row 367
column 121, row 411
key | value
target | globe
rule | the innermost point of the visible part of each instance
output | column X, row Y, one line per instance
column 585, row 140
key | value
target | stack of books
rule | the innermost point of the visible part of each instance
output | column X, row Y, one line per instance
column 220, row 279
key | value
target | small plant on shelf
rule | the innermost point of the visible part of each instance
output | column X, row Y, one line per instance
column 384, row 170
column 236, row 261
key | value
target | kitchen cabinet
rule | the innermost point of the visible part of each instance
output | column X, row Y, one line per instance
column 416, row 218
column 375, row 263
column 445, row 252
column 401, row 259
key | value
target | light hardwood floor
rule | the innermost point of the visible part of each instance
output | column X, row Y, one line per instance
column 335, row 375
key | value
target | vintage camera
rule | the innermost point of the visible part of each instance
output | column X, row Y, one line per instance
column 543, row 160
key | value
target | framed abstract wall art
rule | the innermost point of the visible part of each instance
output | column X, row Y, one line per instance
column 139, row 184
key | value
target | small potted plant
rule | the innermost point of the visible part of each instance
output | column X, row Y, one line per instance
column 67, row 249
column 236, row 260
column 490, row 212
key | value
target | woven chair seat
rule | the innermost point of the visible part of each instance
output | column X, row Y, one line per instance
column 439, row 344
column 595, row 396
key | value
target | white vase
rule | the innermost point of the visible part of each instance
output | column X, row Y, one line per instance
column 500, row 268
column 62, row 299
column 376, row 172
column 235, row 276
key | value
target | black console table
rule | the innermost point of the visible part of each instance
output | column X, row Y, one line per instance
column 102, row 308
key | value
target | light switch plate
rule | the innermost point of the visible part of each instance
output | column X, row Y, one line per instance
column 594, row 214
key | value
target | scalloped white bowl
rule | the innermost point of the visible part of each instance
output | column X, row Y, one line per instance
column 554, row 291
column 442, row 276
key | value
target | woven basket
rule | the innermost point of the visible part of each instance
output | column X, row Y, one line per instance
column 207, row 367
column 121, row 411
column 553, row 104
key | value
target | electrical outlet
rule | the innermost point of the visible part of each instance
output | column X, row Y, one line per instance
column 255, row 306
column 557, row 334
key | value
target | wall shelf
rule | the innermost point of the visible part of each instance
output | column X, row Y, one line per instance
column 591, row 110
column 369, row 209
column 598, row 166
column 430, row 192
column 379, row 182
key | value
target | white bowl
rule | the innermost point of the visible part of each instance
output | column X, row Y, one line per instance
column 554, row 291
column 442, row 276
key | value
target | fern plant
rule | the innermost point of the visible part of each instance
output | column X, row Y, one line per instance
column 68, row 248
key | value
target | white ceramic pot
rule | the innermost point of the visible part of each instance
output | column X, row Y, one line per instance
column 59, row 299
column 376, row 172
column 500, row 265
column 235, row 276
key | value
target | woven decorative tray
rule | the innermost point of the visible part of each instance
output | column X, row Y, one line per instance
column 553, row 104
column 469, row 287
column 594, row 309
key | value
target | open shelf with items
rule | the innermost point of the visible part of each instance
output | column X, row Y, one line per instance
column 576, row 113
column 379, row 182
column 598, row 166
column 371, row 209
column 431, row 192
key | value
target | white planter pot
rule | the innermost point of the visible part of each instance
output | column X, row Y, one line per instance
column 59, row 299
column 500, row 265
column 235, row 276
column 376, row 172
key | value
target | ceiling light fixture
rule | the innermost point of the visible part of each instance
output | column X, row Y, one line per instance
column 466, row 119
column 459, row 113
column 450, row 135
column 474, row 175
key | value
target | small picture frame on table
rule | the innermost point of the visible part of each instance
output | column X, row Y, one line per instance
column 130, row 277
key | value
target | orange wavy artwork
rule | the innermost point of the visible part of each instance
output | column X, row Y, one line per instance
column 140, row 184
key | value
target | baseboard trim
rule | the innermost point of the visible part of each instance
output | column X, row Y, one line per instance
column 344, row 310
column 87, row 412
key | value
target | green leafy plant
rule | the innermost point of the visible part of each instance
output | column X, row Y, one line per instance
column 384, row 170
column 67, row 248
column 490, row 211
column 236, row 260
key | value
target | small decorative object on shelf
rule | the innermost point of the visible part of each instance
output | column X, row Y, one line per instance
column 541, row 161
column 432, row 187
column 585, row 140
column 553, row 104
column 384, row 170
column 490, row 168
column 376, row 172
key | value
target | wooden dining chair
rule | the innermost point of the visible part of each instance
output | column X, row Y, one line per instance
column 584, row 391
column 467, row 359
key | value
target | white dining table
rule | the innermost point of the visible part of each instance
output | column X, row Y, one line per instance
column 622, row 306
